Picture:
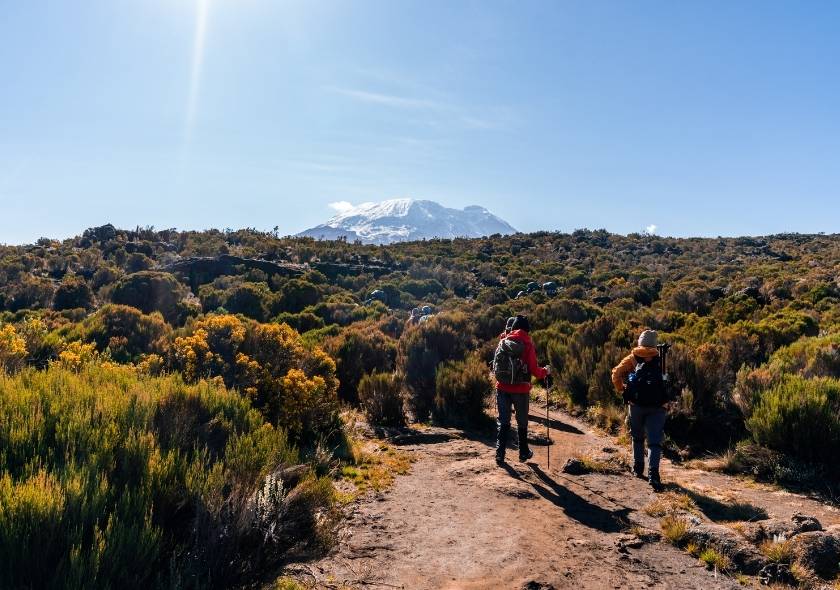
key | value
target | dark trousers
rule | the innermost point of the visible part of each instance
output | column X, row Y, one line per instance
column 647, row 422
column 504, row 401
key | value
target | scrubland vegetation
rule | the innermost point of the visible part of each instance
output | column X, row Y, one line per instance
column 170, row 401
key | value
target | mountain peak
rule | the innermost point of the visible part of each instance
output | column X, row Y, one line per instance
column 401, row 220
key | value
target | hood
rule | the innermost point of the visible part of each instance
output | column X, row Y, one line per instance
column 522, row 336
column 645, row 352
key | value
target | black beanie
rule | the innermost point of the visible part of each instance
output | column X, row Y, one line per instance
column 521, row 323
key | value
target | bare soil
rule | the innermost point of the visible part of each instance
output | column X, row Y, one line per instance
column 459, row 521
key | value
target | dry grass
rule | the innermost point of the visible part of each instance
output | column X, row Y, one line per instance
column 286, row 583
column 777, row 551
column 674, row 529
column 715, row 560
column 610, row 466
column 608, row 418
column 379, row 463
column 671, row 503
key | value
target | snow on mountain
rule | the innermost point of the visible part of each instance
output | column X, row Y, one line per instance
column 401, row 220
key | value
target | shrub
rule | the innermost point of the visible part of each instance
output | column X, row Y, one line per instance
column 295, row 295
column 12, row 349
column 110, row 479
column 73, row 293
column 380, row 397
column 125, row 332
column 359, row 350
column 800, row 417
column 292, row 385
column 422, row 348
column 301, row 322
column 462, row 389
column 249, row 299
column 150, row 291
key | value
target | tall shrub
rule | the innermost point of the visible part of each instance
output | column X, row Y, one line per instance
column 380, row 396
column 800, row 417
column 446, row 337
column 462, row 390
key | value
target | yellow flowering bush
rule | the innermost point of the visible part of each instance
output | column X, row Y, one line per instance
column 292, row 385
column 12, row 349
column 77, row 354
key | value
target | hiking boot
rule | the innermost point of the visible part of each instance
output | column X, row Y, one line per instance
column 639, row 471
column 655, row 482
column 524, row 452
column 500, row 459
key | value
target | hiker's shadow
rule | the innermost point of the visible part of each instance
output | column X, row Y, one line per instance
column 554, row 424
column 574, row 506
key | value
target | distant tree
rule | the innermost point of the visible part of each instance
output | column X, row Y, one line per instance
column 73, row 293
column 151, row 291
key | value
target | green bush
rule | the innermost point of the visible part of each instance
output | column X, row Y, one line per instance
column 151, row 291
column 446, row 337
column 125, row 332
column 381, row 399
column 800, row 417
column 293, row 385
column 462, row 390
column 73, row 293
column 358, row 350
column 113, row 480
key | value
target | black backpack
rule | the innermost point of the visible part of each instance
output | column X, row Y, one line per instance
column 645, row 385
column 508, row 366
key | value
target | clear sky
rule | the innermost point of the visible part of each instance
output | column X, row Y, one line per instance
column 701, row 118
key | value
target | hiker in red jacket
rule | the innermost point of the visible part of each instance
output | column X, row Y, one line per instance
column 514, row 363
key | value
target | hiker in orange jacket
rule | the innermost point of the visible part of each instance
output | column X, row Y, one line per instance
column 645, row 420
column 517, row 392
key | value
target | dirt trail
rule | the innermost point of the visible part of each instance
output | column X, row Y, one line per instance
column 459, row 521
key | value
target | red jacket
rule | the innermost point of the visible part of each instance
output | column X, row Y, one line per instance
column 529, row 356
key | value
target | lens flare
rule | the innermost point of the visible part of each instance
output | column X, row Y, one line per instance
column 202, row 9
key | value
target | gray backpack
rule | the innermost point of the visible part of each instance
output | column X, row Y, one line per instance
column 508, row 366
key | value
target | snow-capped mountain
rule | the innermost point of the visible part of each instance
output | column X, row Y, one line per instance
column 401, row 220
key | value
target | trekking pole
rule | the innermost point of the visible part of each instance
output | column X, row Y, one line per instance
column 663, row 354
column 548, row 384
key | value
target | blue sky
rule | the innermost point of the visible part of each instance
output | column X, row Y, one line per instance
column 701, row 118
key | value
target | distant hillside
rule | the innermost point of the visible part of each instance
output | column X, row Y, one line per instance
column 402, row 220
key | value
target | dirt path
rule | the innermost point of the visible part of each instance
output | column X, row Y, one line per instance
column 459, row 521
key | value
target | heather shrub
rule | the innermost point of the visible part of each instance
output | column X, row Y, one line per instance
column 359, row 350
column 301, row 322
column 800, row 417
column 126, row 332
column 72, row 293
column 293, row 385
column 110, row 479
column 381, row 399
column 446, row 337
column 462, row 389
column 151, row 291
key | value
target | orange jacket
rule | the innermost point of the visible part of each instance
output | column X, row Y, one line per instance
column 529, row 356
column 628, row 365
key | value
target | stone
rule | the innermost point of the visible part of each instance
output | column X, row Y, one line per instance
column 744, row 555
column 817, row 552
column 575, row 467
column 777, row 528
